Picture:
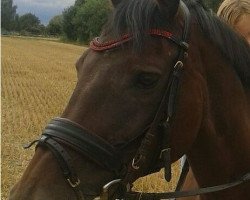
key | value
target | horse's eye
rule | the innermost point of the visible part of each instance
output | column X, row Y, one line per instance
column 146, row 80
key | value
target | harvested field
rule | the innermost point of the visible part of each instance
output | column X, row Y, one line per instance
column 38, row 77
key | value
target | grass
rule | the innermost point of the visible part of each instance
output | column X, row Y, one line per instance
column 38, row 77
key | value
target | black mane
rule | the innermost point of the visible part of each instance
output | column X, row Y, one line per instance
column 137, row 16
column 234, row 47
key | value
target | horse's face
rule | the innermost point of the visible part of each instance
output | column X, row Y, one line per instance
column 118, row 91
column 118, row 94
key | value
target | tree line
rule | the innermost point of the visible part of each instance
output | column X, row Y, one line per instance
column 79, row 22
column 12, row 22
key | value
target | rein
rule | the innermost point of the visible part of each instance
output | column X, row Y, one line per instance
column 178, row 194
column 63, row 131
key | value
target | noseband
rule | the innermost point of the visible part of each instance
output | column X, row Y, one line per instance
column 63, row 131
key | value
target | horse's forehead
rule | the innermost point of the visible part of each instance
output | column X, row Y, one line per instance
column 124, row 59
column 152, row 49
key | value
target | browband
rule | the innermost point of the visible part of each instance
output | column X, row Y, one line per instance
column 96, row 45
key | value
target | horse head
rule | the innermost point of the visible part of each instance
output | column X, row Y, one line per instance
column 139, row 104
column 128, row 84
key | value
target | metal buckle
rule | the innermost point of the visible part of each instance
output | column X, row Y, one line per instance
column 135, row 161
column 134, row 165
column 163, row 150
column 73, row 185
column 105, row 190
column 178, row 64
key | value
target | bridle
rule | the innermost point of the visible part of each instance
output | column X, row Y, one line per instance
column 63, row 131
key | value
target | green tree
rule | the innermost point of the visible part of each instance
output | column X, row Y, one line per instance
column 68, row 26
column 8, row 13
column 31, row 24
column 82, row 22
column 89, row 22
column 79, row 2
column 16, row 23
column 55, row 25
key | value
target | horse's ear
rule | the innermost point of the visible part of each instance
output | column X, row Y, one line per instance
column 168, row 8
column 115, row 2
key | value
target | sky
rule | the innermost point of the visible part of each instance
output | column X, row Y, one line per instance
column 43, row 9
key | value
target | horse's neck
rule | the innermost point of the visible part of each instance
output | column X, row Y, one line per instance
column 221, row 151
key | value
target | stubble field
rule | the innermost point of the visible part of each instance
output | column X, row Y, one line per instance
column 38, row 77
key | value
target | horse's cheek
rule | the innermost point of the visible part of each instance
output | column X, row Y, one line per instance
column 188, row 116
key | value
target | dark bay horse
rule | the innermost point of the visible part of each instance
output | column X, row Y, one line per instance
column 165, row 78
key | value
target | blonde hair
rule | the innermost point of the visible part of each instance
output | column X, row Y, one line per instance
column 231, row 10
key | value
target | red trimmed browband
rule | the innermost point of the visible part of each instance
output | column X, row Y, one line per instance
column 96, row 45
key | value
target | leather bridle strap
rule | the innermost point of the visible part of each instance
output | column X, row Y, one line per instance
column 179, row 194
column 183, row 175
column 89, row 144
column 63, row 131
column 64, row 161
column 143, row 158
